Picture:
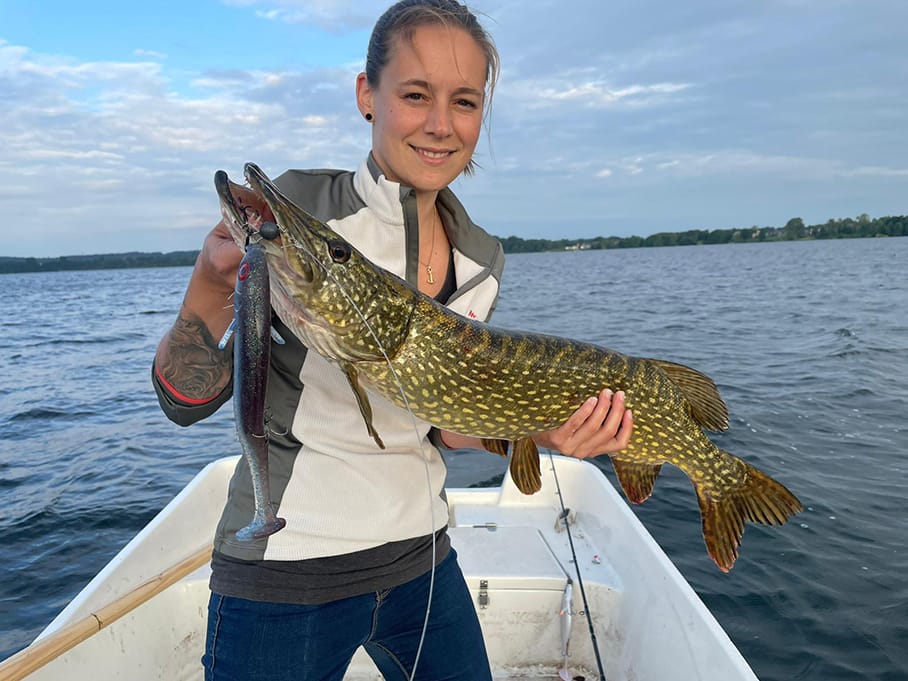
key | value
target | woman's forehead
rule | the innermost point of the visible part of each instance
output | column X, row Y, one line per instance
column 438, row 55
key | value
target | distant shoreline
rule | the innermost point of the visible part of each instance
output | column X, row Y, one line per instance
column 108, row 261
column 861, row 227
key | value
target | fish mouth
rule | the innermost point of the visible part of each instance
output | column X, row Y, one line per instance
column 234, row 217
column 274, row 222
column 296, row 245
column 244, row 219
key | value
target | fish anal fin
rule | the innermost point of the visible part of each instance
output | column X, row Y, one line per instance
column 758, row 499
column 637, row 479
column 707, row 407
column 362, row 399
column 499, row 447
column 524, row 466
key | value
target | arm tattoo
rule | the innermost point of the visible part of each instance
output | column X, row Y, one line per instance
column 195, row 366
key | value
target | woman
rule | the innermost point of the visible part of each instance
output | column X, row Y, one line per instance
column 354, row 564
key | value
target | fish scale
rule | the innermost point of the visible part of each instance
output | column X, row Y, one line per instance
column 499, row 385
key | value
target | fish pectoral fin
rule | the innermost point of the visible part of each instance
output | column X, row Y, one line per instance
column 524, row 466
column 637, row 479
column 499, row 447
column 707, row 407
column 362, row 399
column 758, row 498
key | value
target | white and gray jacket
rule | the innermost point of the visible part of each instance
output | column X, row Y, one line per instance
column 339, row 493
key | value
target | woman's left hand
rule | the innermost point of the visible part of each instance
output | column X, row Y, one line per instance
column 602, row 425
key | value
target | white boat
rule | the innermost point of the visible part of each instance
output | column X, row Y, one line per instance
column 516, row 555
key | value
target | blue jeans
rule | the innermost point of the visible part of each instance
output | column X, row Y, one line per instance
column 252, row 641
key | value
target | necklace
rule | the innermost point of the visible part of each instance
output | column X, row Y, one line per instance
column 430, row 276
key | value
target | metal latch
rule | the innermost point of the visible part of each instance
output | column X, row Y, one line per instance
column 483, row 594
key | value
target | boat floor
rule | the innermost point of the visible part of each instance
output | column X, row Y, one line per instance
column 515, row 555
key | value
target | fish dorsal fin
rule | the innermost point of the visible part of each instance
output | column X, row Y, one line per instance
column 637, row 479
column 524, row 466
column 706, row 406
column 499, row 447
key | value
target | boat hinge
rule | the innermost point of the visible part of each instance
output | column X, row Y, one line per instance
column 483, row 594
column 564, row 519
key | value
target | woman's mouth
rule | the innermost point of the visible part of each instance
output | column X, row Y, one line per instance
column 432, row 154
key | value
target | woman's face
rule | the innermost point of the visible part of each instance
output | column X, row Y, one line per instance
column 427, row 107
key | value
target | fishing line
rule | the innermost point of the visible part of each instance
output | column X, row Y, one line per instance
column 425, row 460
column 586, row 605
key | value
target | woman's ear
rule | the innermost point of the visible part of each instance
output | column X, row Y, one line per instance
column 364, row 99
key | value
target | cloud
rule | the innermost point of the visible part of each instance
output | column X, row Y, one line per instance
column 331, row 15
column 599, row 94
column 696, row 111
column 149, row 53
column 121, row 143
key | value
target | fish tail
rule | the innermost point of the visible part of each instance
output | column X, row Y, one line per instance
column 261, row 527
column 758, row 498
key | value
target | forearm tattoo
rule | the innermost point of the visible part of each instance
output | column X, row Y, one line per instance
column 194, row 365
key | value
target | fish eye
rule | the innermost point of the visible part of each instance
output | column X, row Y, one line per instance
column 339, row 250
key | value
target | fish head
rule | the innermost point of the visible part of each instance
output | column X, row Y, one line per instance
column 333, row 298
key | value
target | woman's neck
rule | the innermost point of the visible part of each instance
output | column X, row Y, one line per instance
column 426, row 208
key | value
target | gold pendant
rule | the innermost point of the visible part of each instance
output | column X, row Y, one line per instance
column 429, row 277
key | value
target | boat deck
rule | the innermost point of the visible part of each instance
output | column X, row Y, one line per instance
column 516, row 558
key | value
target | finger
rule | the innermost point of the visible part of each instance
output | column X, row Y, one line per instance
column 593, row 423
column 623, row 438
column 580, row 417
column 220, row 255
column 614, row 443
column 615, row 415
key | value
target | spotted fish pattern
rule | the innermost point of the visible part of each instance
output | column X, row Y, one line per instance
column 503, row 386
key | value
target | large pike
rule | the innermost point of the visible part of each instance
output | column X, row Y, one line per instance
column 471, row 378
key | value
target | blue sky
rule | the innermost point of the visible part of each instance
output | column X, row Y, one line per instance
column 611, row 118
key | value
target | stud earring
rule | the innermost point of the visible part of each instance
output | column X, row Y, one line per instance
column 369, row 117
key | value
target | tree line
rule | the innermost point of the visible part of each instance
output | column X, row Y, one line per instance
column 109, row 261
column 863, row 226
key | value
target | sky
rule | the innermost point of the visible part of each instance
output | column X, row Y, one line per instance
column 611, row 118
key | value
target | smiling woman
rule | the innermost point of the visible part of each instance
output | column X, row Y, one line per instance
column 365, row 548
column 426, row 109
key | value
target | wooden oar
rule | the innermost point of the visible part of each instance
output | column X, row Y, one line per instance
column 41, row 652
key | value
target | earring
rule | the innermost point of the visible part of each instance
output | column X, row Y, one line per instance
column 369, row 117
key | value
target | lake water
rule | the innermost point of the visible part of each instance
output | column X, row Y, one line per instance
column 808, row 342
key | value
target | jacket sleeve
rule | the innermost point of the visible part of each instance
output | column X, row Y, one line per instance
column 181, row 412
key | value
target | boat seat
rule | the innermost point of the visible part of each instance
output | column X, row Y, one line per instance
column 507, row 557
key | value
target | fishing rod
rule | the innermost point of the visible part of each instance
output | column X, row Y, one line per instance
column 586, row 606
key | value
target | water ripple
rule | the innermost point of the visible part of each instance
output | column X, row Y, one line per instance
column 808, row 343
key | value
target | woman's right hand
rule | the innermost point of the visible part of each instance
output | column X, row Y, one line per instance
column 218, row 261
column 188, row 357
column 220, row 256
